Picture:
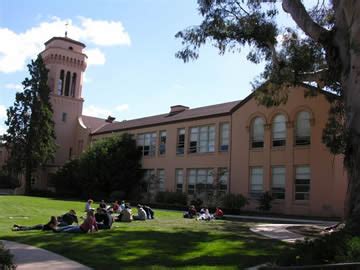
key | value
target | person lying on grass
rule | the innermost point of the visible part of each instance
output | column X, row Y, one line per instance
column 141, row 213
column 149, row 212
column 103, row 219
column 89, row 225
column 68, row 218
column 51, row 225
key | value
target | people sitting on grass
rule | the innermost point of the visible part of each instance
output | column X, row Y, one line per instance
column 191, row 213
column 68, row 218
column 122, row 205
column 141, row 213
column 125, row 214
column 51, row 225
column 103, row 205
column 103, row 219
column 218, row 213
column 150, row 214
column 205, row 215
column 88, row 205
column 115, row 207
column 89, row 225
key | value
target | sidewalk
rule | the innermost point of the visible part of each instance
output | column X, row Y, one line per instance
column 28, row 258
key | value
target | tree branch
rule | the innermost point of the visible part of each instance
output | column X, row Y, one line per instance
column 299, row 14
column 318, row 76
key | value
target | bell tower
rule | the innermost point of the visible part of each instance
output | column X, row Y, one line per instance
column 66, row 62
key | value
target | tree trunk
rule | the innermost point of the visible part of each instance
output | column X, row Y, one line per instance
column 28, row 176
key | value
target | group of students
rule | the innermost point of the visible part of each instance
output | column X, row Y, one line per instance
column 100, row 219
column 204, row 213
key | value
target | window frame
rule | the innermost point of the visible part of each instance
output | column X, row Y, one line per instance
column 180, row 146
column 162, row 143
column 223, row 147
column 177, row 187
column 147, row 150
column 306, row 185
column 252, row 193
column 201, row 142
column 274, row 187
column 257, row 144
column 281, row 142
column 302, row 140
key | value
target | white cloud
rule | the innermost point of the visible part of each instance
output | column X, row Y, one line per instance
column 122, row 108
column 17, row 48
column 96, row 111
column 14, row 86
column 95, row 57
column 2, row 112
column 104, row 33
column 86, row 78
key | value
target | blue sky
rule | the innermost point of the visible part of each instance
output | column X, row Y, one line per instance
column 132, row 69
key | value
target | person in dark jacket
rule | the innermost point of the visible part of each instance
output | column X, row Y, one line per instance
column 149, row 212
column 103, row 219
column 51, row 225
column 68, row 218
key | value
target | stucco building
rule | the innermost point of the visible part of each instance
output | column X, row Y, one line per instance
column 249, row 148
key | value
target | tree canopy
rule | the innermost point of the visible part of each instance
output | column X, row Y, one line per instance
column 30, row 137
column 321, row 54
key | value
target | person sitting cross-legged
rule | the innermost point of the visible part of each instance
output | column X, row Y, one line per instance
column 103, row 219
column 141, row 213
column 89, row 225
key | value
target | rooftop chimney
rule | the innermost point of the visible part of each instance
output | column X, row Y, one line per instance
column 110, row 119
column 177, row 109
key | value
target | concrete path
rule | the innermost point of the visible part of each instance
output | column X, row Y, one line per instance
column 28, row 258
column 280, row 232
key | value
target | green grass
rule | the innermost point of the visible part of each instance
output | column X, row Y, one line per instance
column 169, row 241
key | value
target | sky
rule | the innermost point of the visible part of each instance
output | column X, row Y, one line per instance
column 132, row 70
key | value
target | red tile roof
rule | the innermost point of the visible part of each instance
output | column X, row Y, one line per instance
column 93, row 123
column 161, row 119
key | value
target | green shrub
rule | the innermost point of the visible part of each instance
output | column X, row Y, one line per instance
column 234, row 201
column 197, row 202
column 117, row 195
column 8, row 181
column 168, row 197
column 6, row 258
column 265, row 201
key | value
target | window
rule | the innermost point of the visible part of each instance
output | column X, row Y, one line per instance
column 64, row 116
column 302, row 129
column 302, row 183
column 278, row 182
column 147, row 143
column 200, row 180
column 67, row 83
column 257, row 133
column 61, row 83
column 179, row 177
column 73, row 85
column 161, row 179
column 223, row 180
column 162, row 143
column 149, row 179
column 180, row 146
column 224, row 137
column 279, row 130
column 256, row 181
column 202, row 139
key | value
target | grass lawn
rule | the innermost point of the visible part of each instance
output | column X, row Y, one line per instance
column 169, row 241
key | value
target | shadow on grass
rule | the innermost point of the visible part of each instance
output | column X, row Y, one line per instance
column 117, row 249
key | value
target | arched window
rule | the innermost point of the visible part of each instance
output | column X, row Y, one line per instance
column 73, row 85
column 61, row 83
column 67, row 83
column 302, row 129
column 257, row 133
column 279, row 130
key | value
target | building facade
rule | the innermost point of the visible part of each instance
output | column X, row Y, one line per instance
column 247, row 148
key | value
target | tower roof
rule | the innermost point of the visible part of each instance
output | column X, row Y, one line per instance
column 65, row 39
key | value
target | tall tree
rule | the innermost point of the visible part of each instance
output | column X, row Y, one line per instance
column 322, row 54
column 30, row 137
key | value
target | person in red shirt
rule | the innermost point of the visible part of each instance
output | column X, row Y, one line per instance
column 218, row 213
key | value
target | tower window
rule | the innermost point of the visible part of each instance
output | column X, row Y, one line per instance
column 64, row 116
column 67, row 83
column 71, row 48
column 61, row 83
column 73, row 85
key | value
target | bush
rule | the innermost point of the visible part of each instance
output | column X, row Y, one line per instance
column 6, row 258
column 117, row 195
column 167, row 197
column 197, row 202
column 8, row 181
column 234, row 201
column 265, row 201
